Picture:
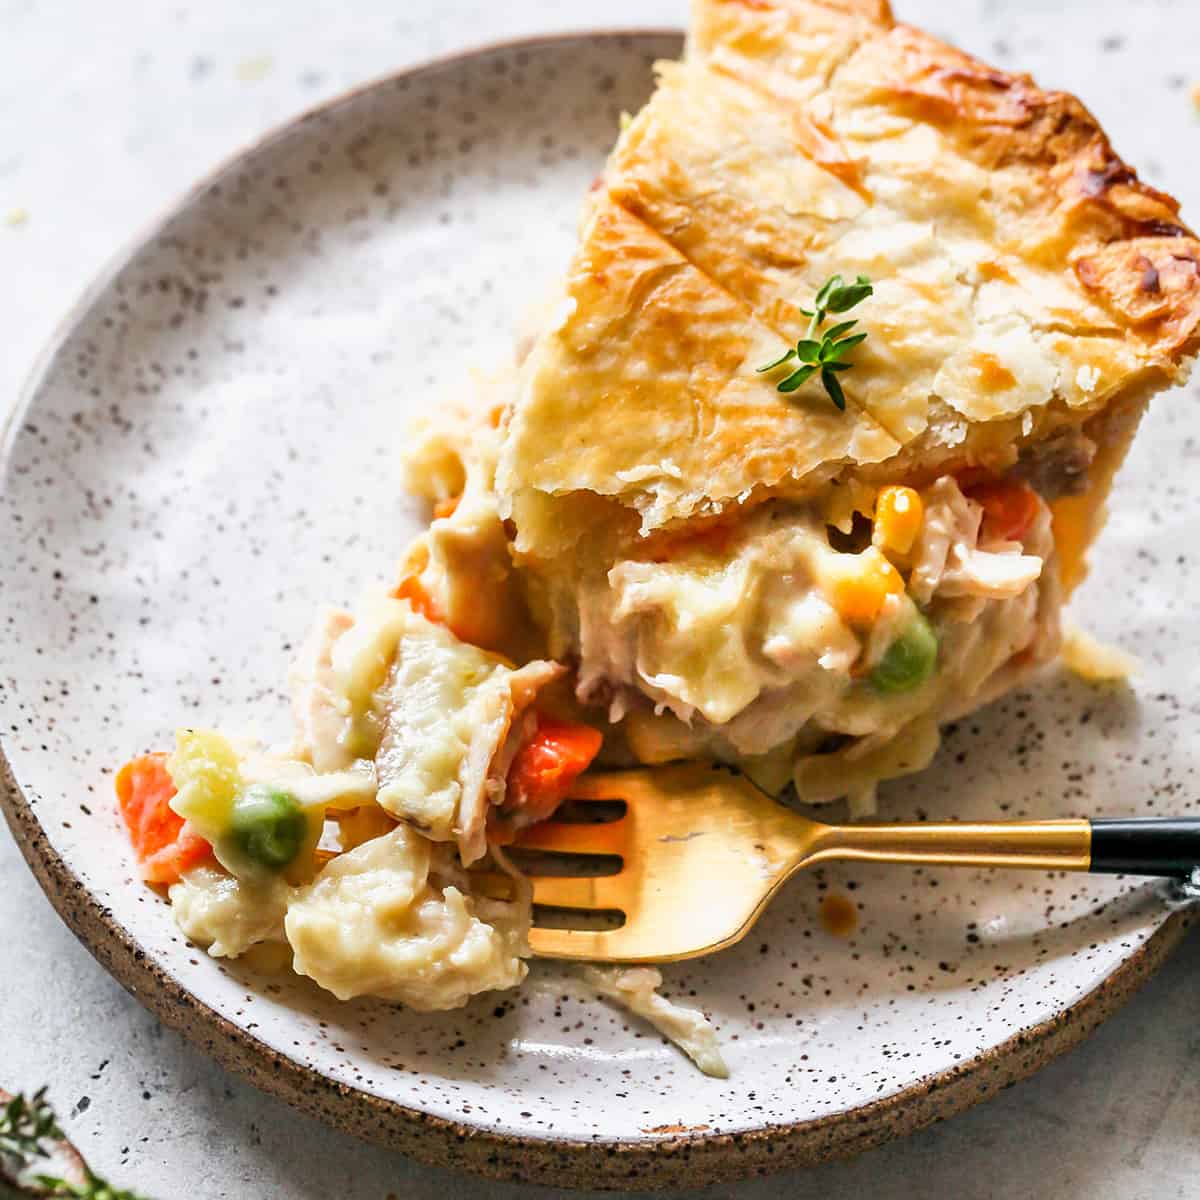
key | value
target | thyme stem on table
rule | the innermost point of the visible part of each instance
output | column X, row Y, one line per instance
column 29, row 1131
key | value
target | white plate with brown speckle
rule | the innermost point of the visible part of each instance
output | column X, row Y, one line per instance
column 209, row 449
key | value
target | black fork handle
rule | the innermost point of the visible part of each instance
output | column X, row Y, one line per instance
column 1145, row 846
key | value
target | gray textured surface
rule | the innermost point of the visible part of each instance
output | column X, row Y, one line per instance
column 106, row 113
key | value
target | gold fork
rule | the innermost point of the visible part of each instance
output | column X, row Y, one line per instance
column 702, row 852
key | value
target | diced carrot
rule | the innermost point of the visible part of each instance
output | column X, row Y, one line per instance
column 547, row 765
column 447, row 507
column 169, row 864
column 1009, row 507
column 413, row 590
column 162, row 847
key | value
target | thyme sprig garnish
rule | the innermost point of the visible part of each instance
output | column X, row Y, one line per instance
column 28, row 1131
column 828, row 355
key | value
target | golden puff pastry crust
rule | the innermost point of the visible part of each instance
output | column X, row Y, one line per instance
column 1024, row 278
column 646, row 390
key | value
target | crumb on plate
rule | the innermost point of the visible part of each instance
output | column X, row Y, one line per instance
column 251, row 70
column 1092, row 660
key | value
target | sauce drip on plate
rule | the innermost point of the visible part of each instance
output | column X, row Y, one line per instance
column 838, row 915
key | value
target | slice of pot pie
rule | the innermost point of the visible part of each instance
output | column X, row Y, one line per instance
column 806, row 569
column 856, row 335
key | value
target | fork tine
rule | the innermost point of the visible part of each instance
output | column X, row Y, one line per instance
column 604, row 891
column 605, row 785
column 573, row 943
column 564, row 838
column 493, row 884
column 702, row 851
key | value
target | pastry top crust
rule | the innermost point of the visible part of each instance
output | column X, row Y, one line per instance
column 1024, row 277
column 646, row 390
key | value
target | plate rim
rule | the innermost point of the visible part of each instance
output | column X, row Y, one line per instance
column 682, row 1157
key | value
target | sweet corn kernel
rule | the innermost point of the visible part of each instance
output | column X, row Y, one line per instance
column 360, row 825
column 858, row 587
column 898, row 516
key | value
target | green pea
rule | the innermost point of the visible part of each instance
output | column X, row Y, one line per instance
column 268, row 826
column 909, row 660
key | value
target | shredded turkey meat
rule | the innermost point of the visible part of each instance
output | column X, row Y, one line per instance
column 319, row 715
column 637, row 989
column 951, row 559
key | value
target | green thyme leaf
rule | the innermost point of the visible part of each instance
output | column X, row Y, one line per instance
column 831, row 286
column 796, row 379
column 855, row 339
column 786, row 357
column 838, row 330
column 808, row 351
column 842, row 299
column 834, row 387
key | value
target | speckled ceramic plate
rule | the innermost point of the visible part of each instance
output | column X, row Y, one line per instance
column 210, row 449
